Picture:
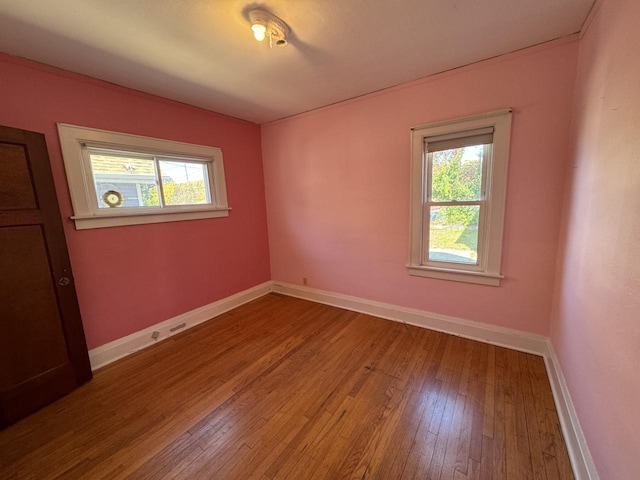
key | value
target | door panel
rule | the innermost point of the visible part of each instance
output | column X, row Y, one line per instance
column 16, row 189
column 33, row 342
column 43, row 353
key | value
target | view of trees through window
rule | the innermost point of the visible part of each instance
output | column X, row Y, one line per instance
column 456, row 177
column 187, row 193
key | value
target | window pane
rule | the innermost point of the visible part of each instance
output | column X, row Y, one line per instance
column 124, row 181
column 453, row 234
column 184, row 183
column 457, row 174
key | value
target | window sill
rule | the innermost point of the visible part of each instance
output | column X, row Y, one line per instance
column 480, row 278
column 104, row 221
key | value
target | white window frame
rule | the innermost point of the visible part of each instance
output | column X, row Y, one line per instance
column 491, row 222
column 77, row 164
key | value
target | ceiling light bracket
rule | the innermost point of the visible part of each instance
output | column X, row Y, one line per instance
column 266, row 25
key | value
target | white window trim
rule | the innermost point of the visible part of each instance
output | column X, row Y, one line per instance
column 83, row 196
column 492, row 228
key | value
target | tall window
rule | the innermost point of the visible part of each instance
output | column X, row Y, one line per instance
column 121, row 179
column 459, row 177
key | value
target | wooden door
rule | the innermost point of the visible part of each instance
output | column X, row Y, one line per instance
column 43, row 353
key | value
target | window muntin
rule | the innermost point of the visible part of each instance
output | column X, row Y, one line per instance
column 458, row 197
column 121, row 179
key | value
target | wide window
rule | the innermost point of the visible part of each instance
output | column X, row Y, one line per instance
column 459, row 172
column 121, row 179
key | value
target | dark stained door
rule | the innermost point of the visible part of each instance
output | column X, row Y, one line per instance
column 43, row 354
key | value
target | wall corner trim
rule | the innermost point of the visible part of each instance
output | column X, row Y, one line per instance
column 120, row 348
column 581, row 460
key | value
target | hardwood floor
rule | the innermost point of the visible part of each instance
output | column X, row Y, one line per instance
column 283, row 388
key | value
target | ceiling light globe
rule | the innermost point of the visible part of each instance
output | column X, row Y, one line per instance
column 259, row 31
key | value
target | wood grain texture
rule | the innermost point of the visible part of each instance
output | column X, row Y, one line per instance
column 283, row 388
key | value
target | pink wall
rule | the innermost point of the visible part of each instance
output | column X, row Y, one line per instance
column 337, row 183
column 596, row 323
column 129, row 278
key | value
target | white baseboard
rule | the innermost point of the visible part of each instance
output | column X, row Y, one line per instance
column 112, row 351
column 493, row 334
column 581, row 460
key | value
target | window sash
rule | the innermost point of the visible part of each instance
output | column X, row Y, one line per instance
column 208, row 164
column 124, row 152
column 482, row 203
column 426, row 237
column 427, row 169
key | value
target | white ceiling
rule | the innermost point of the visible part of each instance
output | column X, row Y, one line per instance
column 202, row 52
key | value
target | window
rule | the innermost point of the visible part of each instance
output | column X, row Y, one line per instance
column 121, row 179
column 458, row 187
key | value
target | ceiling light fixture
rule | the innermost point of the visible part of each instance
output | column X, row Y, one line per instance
column 265, row 25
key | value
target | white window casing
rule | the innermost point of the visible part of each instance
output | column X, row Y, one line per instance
column 77, row 143
column 494, row 130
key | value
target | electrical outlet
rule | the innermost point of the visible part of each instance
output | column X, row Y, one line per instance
column 304, row 280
